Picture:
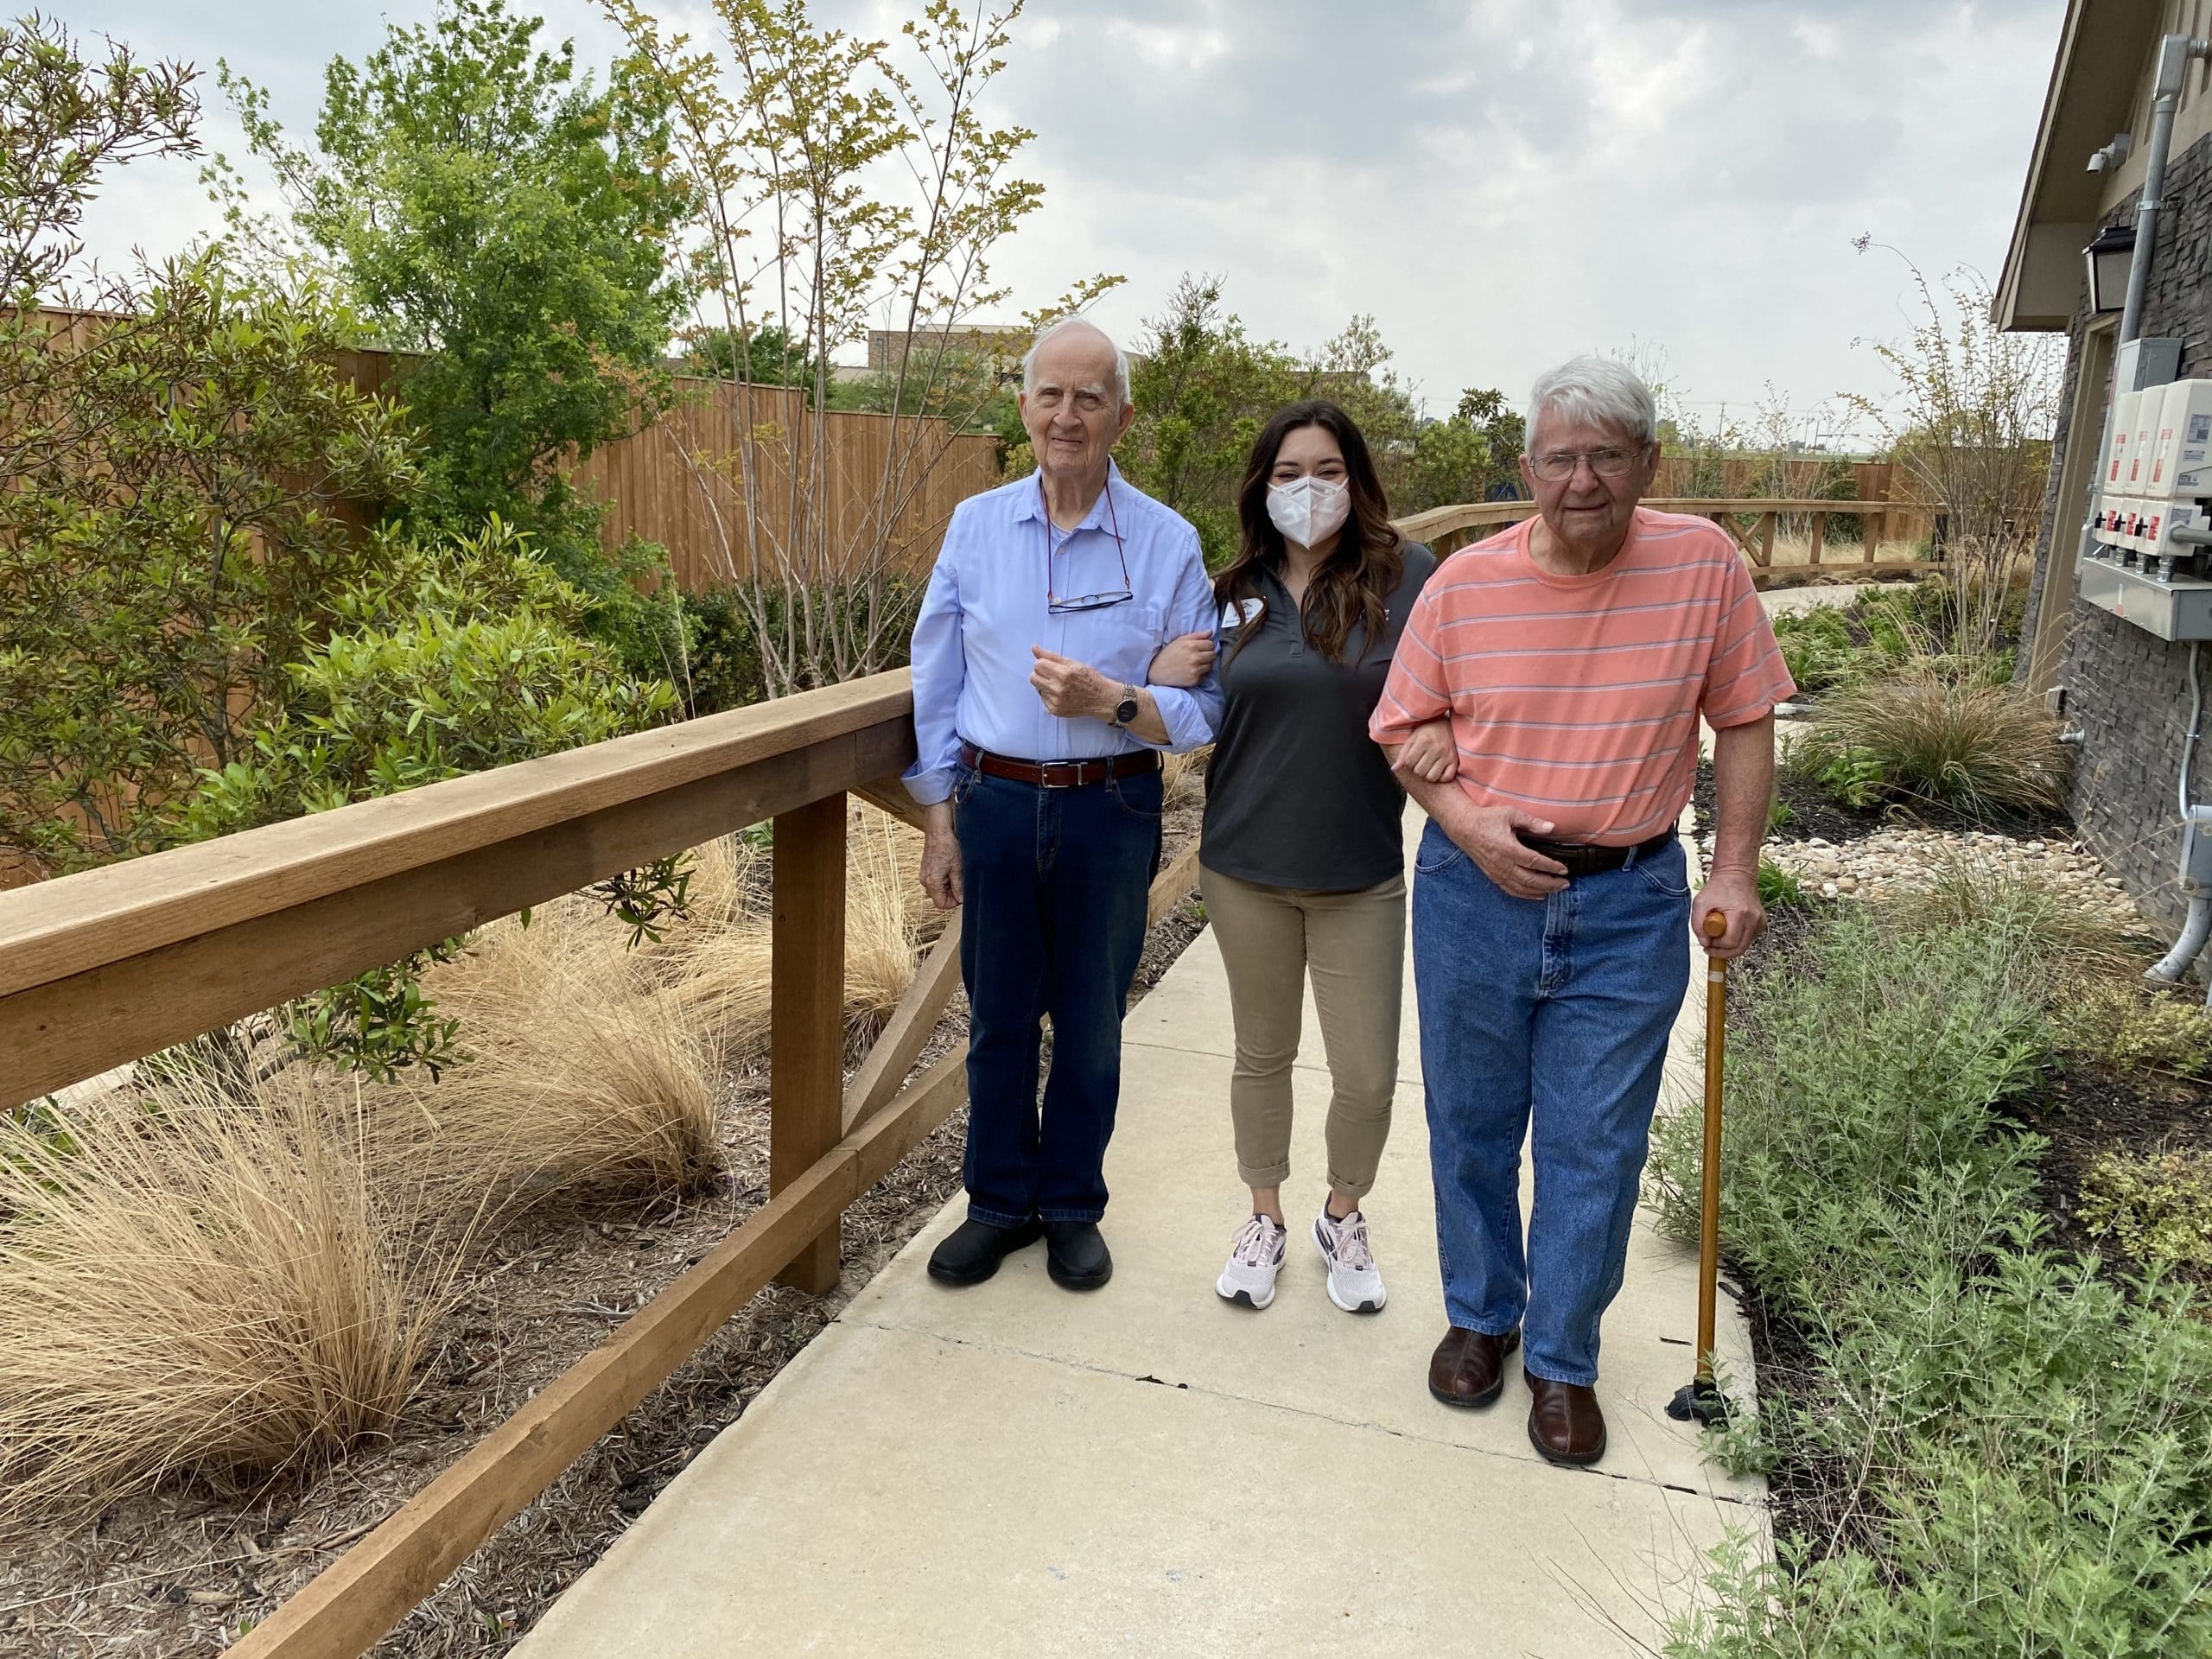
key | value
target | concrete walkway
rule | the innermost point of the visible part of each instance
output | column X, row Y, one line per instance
column 1014, row 1470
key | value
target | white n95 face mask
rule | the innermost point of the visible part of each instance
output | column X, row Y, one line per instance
column 1308, row 510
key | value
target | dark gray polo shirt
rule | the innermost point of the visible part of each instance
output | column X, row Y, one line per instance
column 1298, row 795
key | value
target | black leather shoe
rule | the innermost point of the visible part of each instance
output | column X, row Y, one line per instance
column 972, row 1252
column 1076, row 1256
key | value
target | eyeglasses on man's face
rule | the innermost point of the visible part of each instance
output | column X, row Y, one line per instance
column 1557, row 465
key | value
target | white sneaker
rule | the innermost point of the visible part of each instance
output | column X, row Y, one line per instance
column 1254, row 1260
column 1355, row 1282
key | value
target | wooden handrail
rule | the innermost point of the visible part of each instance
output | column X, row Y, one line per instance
column 100, row 969
column 108, row 966
column 1444, row 528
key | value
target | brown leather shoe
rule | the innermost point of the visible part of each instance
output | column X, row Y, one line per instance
column 1468, row 1367
column 1564, row 1422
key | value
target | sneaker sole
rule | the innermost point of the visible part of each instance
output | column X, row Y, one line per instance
column 1244, row 1298
column 1374, row 1307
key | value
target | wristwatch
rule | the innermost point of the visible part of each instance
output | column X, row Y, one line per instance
column 1127, row 710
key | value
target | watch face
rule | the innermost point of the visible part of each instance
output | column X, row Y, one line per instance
column 1126, row 710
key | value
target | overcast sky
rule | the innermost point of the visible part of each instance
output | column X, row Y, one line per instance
column 1500, row 182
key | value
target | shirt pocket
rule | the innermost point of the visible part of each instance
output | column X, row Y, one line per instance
column 1125, row 640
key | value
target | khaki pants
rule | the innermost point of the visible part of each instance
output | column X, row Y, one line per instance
column 1354, row 943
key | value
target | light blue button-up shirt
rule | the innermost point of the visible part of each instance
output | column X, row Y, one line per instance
column 987, row 606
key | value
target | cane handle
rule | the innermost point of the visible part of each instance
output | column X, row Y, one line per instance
column 1716, row 924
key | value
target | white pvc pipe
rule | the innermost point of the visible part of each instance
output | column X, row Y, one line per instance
column 2194, row 932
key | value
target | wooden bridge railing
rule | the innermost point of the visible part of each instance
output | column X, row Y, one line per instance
column 1447, row 529
column 100, row 969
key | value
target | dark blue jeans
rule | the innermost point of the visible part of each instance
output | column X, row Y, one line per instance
column 1055, row 884
column 1555, row 1010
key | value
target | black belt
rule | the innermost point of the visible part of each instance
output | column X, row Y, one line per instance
column 1059, row 774
column 1582, row 858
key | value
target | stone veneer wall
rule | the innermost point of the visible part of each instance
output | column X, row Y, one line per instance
column 2127, row 691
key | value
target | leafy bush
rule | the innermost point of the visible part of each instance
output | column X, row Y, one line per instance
column 460, row 656
column 1996, row 1452
column 1932, row 739
column 1891, row 630
column 2158, row 1208
column 722, row 667
column 2136, row 1029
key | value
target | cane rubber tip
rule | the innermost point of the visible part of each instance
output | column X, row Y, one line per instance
column 1701, row 1401
column 1716, row 924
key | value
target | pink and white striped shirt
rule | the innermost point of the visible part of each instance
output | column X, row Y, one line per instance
column 1577, row 698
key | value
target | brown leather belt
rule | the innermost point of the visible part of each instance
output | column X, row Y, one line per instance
column 1581, row 858
column 1060, row 774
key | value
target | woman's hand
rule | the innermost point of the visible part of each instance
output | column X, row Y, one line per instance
column 1430, row 753
column 1182, row 661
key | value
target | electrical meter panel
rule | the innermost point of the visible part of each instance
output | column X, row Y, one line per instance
column 2122, row 426
column 2141, row 559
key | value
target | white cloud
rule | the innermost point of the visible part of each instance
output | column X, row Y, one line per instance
column 1499, row 181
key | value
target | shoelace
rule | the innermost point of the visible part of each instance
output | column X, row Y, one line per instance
column 1255, row 1245
column 1351, row 1242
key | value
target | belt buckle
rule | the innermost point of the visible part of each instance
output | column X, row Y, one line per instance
column 1072, row 768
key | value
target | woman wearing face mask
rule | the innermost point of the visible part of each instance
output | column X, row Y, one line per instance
column 1302, row 860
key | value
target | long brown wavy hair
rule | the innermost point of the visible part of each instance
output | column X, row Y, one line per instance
column 1353, row 584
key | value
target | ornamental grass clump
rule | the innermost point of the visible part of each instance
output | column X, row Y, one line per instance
column 1989, row 1448
column 1932, row 739
column 200, row 1282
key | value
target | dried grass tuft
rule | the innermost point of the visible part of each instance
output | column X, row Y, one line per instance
column 720, row 980
column 582, row 1080
column 199, row 1283
column 1183, row 777
column 1938, row 739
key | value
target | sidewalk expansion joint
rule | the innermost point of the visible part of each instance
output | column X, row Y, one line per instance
column 1307, row 1412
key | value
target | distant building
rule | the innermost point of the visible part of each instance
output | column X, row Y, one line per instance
column 1002, row 343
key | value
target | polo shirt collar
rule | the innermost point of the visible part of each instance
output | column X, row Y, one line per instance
column 1030, row 504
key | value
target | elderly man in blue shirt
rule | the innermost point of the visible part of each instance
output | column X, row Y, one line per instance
column 1039, row 768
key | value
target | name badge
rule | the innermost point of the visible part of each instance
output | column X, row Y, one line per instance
column 1235, row 616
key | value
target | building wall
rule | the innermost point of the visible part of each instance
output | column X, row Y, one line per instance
column 2128, row 691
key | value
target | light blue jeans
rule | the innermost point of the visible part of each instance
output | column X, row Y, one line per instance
column 1555, row 1010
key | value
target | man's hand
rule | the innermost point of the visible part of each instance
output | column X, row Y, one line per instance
column 1735, row 893
column 940, row 856
column 1182, row 661
column 1486, row 834
column 1430, row 754
column 1071, row 689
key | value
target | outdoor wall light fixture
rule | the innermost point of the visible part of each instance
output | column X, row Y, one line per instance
column 2109, row 258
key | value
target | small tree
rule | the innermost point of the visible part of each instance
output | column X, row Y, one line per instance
column 782, row 141
column 507, row 226
column 1969, row 420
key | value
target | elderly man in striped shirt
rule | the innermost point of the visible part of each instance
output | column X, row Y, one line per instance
column 1552, row 915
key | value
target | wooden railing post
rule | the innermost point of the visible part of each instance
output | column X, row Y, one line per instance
column 1767, row 522
column 1820, row 534
column 806, row 1078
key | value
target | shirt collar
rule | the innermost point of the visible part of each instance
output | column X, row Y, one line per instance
column 1030, row 504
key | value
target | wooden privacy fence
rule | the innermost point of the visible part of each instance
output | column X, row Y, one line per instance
column 678, row 481
column 101, row 967
column 1751, row 523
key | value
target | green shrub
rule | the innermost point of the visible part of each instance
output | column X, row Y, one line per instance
column 1996, row 1451
column 1933, row 739
column 461, row 655
column 722, row 658
column 2158, row 1208
column 2137, row 1030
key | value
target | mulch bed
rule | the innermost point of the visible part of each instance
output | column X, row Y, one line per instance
column 2089, row 1110
column 178, row 1573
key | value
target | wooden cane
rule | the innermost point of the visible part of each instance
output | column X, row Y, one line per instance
column 1702, row 1399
